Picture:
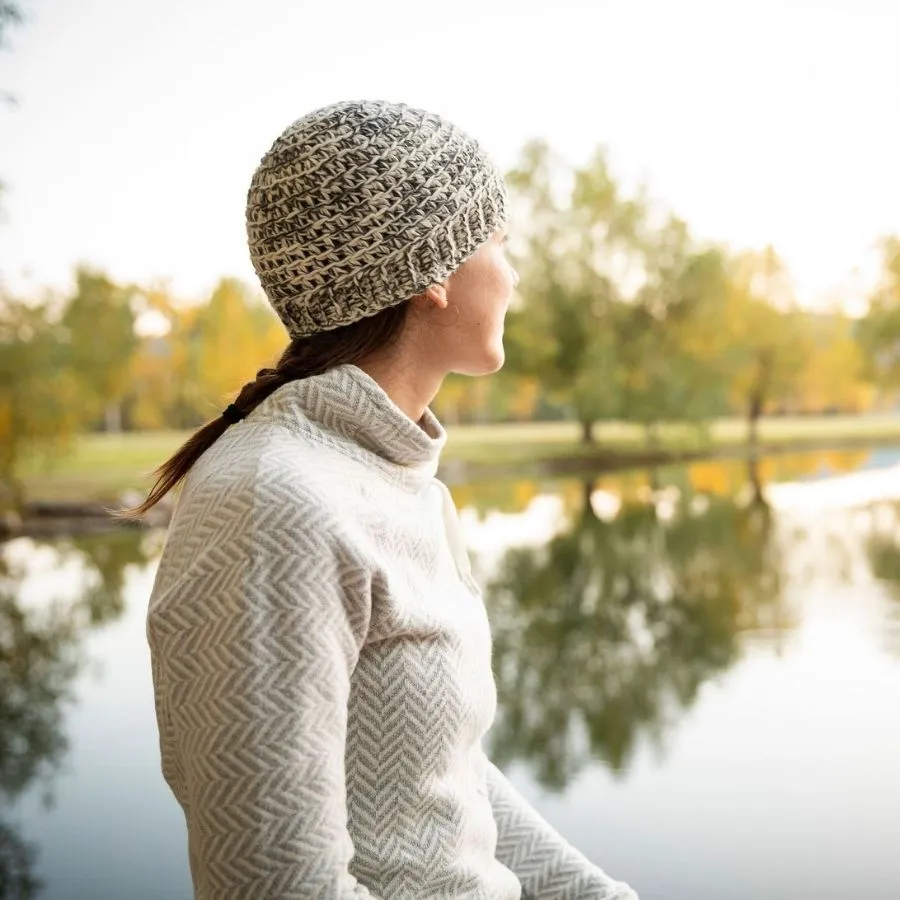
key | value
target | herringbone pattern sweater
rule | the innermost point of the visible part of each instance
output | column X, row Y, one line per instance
column 322, row 669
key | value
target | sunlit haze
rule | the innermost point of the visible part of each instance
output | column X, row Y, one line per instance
column 138, row 124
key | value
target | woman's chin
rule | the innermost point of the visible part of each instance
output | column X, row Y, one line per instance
column 493, row 360
column 499, row 360
column 487, row 363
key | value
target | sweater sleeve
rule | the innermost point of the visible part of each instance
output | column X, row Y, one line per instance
column 547, row 867
column 254, row 647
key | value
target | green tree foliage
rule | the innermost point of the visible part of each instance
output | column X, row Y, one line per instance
column 10, row 17
column 233, row 335
column 205, row 353
column 620, row 315
column 619, row 306
column 671, row 366
column 879, row 332
column 78, row 363
column 834, row 377
column 574, row 233
column 99, row 323
column 39, row 393
column 163, row 393
column 768, row 338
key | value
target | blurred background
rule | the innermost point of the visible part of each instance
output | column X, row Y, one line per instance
column 681, row 493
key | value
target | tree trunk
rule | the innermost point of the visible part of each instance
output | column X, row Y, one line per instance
column 759, row 497
column 587, row 489
column 758, row 397
column 587, row 432
column 113, row 418
column 753, row 414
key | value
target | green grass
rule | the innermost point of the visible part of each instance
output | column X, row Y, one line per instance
column 551, row 440
column 100, row 467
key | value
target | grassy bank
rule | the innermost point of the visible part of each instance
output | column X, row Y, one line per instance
column 101, row 467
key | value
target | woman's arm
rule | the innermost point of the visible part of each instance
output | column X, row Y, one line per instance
column 253, row 648
column 547, row 867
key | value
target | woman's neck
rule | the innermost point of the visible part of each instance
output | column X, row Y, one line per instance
column 411, row 385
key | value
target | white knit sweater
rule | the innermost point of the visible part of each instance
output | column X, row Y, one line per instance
column 322, row 669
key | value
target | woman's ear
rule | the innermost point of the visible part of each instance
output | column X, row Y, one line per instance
column 434, row 296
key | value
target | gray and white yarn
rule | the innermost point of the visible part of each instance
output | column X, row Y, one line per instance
column 322, row 670
column 361, row 205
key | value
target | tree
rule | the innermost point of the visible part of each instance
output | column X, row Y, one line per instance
column 768, row 343
column 671, row 353
column 621, row 310
column 833, row 377
column 99, row 322
column 232, row 336
column 504, row 396
column 163, row 391
column 10, row 17
column 879, row 331
column 39, row 392
column 575, row 248
column 199, row 354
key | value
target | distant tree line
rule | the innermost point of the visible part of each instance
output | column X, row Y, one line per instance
column 621, row 315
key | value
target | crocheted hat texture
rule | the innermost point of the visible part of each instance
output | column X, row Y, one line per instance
column 361, row 205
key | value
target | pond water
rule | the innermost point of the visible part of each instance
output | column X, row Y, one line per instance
column 698, row 670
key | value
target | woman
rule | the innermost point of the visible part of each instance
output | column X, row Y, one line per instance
column 321, row 654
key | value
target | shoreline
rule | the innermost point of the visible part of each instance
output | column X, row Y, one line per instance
column 606, row 461
column 55, row 518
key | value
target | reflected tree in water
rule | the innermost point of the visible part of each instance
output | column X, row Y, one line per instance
column 37, row 662
column 883, row 551
column 883, row 545
column 607, row 632
column 40, row 654
column 108, row 556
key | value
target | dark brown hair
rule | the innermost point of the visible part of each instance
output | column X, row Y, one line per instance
column 303, row 358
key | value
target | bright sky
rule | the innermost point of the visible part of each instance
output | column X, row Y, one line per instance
column 139, row 124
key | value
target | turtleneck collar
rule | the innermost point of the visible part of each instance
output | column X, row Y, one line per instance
column 348, row 409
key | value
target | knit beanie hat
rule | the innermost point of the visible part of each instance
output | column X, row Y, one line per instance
column 361, row 205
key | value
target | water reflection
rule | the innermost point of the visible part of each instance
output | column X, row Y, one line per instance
column 40, row 654
column 722, row 477
column 636, row 590
column 883, row 546
column 605, row 634
column 883, row 550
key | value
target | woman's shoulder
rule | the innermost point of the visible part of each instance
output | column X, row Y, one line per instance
column 256, row 467
column 251, row 457
column 255, row 491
